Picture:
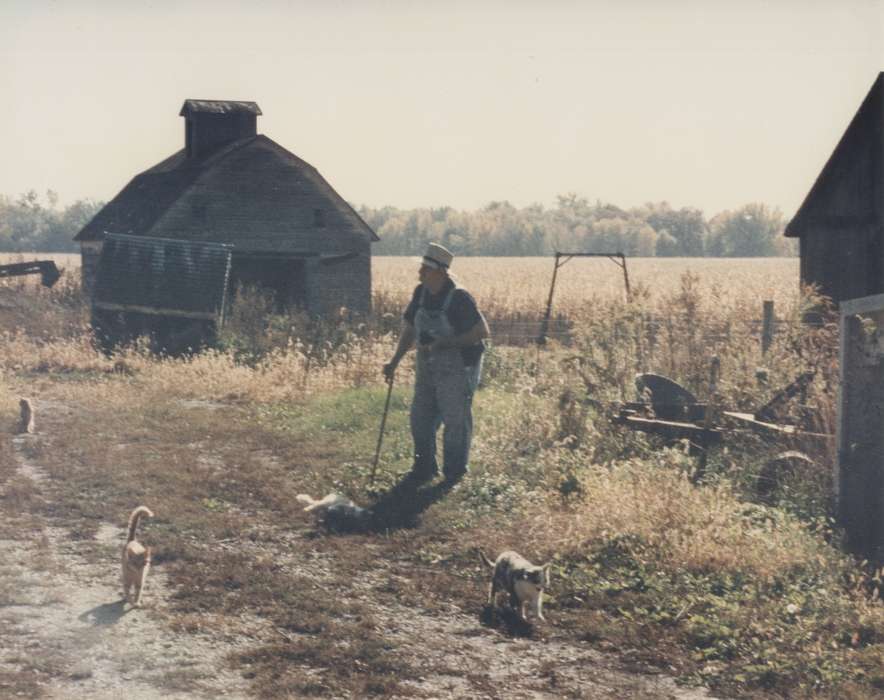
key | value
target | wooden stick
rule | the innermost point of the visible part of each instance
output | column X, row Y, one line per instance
column 377, row 452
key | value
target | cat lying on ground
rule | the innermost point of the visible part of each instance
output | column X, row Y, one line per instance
column 522, row 580
column 336, row 512
column 136, row 558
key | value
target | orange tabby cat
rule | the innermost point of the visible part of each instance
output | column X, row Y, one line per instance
column 136, row 558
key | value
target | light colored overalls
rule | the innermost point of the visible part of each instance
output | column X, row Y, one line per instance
column 443, row 394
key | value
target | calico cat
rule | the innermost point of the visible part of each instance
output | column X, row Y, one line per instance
column 136, row 558
column 322, row 504
column 26, row 421
column 522, row 580
column 336, row 512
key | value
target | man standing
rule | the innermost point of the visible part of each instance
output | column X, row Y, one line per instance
column 449, row 331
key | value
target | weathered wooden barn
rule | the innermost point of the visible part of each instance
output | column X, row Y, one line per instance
column 286, row 228
column 841, row 230
column 841, row 222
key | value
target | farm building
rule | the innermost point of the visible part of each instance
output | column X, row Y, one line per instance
column 283, row 227
column 841, row 222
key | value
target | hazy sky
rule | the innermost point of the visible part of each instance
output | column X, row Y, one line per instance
column 710, row 104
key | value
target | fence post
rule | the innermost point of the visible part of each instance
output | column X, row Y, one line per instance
column 767, row 327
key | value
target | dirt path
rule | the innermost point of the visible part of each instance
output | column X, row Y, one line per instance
column 68, row 634
column 477, row 662
column 65, row 633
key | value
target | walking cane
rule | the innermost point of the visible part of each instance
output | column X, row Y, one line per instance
column 377, row 452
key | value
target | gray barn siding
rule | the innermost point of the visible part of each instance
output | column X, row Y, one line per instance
column 841, row 221
column 89, row 254
column 844, row 263
column 276, row 212
column 346, row 284
column 273, row 210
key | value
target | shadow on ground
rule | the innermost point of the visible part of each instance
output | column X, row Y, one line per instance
column 402, row 506
column 105, row 614
column 399, row 508
column 506, row 620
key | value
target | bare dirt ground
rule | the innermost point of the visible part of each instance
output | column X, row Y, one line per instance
column 65, row 632
column 68, row 634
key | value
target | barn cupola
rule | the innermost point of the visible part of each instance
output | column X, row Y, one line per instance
column 209, row 124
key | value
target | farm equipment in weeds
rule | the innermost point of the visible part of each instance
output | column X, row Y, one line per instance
column 671, row 411
column 47, row 270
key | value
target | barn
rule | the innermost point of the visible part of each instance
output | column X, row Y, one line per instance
column 840, row 225
column 280, row 224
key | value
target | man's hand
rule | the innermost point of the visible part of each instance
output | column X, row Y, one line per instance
column 389, row 370
column 437, row 344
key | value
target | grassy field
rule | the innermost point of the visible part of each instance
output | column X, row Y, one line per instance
column 513, row 292
column 523, row 283
column 657, row 565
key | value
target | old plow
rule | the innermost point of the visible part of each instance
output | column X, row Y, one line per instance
column 667, row 409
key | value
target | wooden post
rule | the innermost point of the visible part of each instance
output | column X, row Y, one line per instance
column 625, row 276
column 767, row 327
column 709, row 418
column 544, row 325
column 651, row 326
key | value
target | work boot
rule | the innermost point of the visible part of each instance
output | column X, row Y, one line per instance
column 453, row 478
column 417, row 477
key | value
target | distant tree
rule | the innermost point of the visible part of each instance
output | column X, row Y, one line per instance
column 570, row 220
column 28, row 224
column 751, row 231
column 66, row 224
column 577, row 225
column 684, row 229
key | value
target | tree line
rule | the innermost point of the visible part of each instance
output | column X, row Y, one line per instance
column 575, row 224
column 31, row 223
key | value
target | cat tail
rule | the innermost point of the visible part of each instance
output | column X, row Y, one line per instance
column 134, row 518
column 485, row 560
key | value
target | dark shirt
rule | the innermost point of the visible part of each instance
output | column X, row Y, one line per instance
column 462, row 314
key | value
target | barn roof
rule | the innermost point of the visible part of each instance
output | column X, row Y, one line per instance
column 218, row 107
column 849, row 190
column 141, row 204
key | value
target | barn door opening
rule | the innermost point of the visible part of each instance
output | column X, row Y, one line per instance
column 283, row 278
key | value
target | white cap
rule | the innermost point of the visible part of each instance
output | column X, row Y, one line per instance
column 437, row 257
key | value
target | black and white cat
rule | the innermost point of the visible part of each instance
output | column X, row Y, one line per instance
column 522, row 580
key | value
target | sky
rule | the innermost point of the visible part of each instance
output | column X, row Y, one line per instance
column 707, row 104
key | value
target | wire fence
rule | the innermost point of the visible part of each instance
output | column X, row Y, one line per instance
column 527, row 330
